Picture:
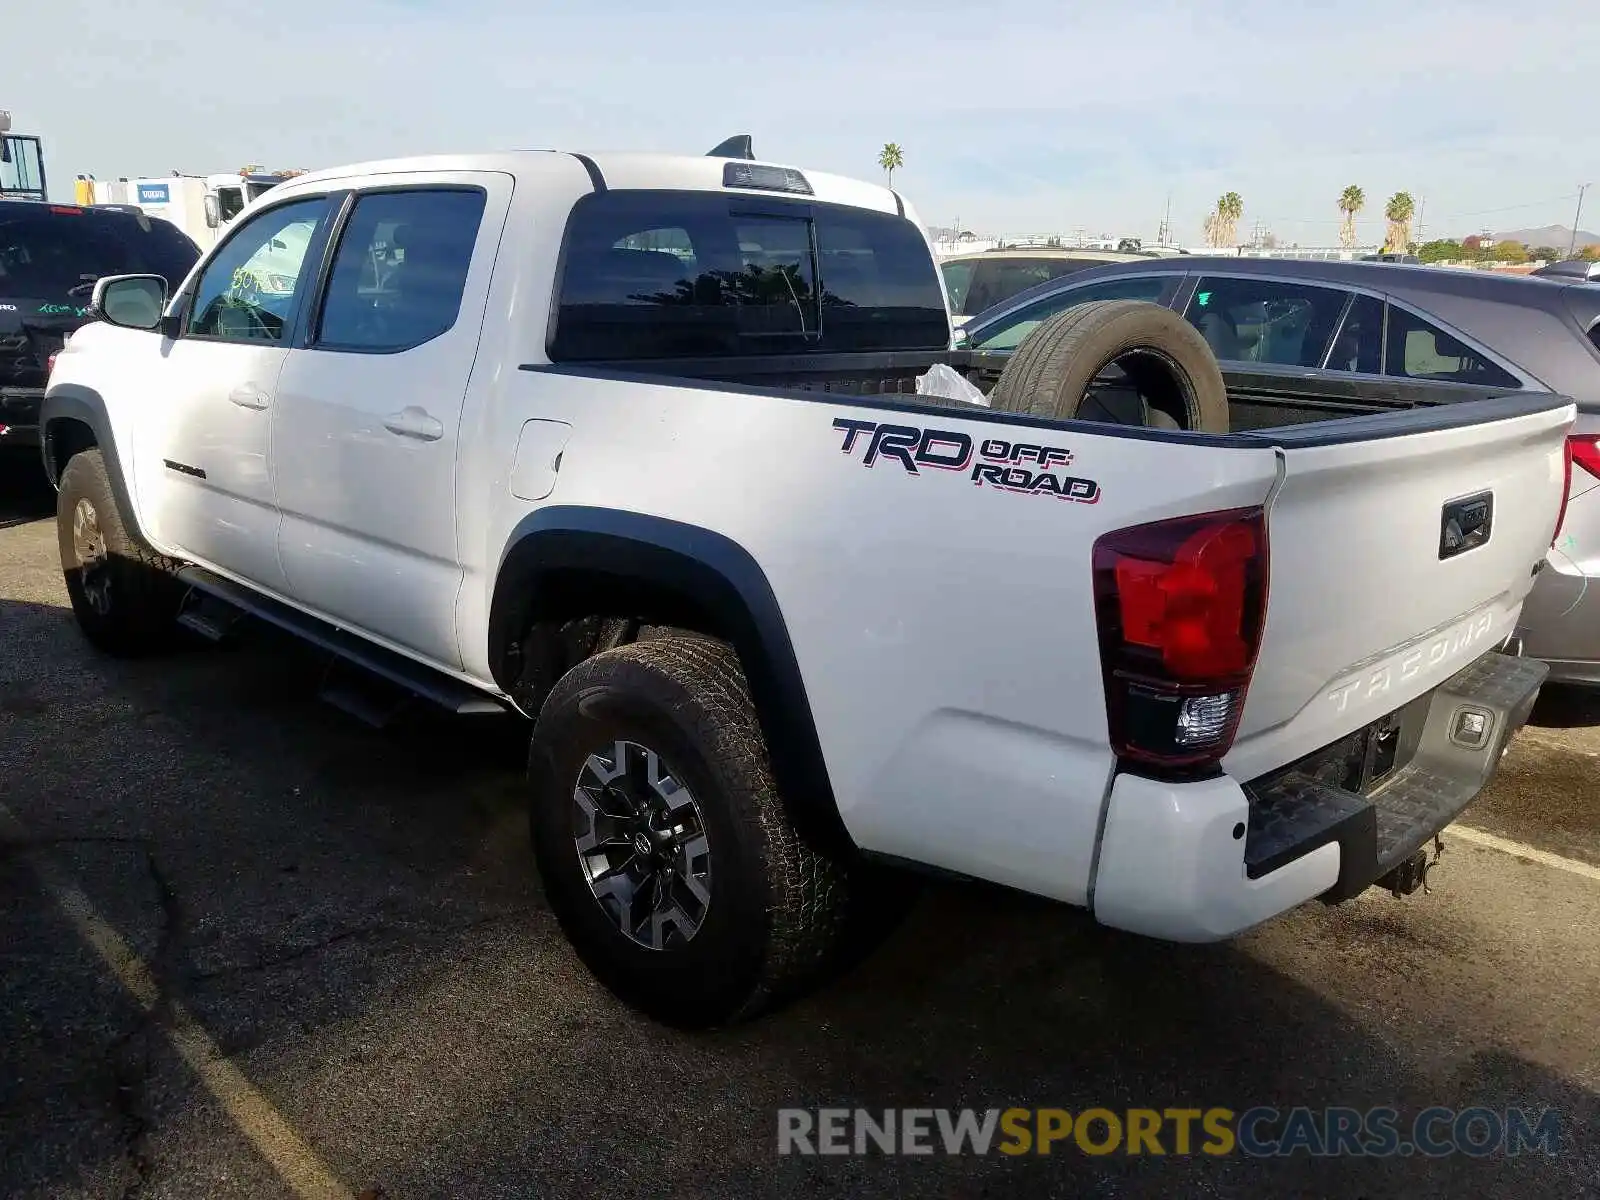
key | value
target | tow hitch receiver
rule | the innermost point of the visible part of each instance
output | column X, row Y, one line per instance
column 1386, row 792
column 1412, row 873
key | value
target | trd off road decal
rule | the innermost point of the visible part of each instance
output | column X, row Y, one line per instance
column 993, row 462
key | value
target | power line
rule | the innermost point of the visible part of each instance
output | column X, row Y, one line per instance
column 1484, row 212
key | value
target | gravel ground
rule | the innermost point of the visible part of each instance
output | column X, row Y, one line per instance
column 347, row 919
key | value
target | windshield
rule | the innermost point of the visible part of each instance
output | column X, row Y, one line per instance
column 21, row 166
column 957, row 279
column 995, row 279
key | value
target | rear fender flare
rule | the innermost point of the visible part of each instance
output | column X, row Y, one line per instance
column 565, row 562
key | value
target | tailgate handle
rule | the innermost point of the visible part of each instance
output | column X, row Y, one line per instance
column 1465, row 524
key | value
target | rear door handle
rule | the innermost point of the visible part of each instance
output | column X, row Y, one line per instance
column 413, row 422
column 248, row 396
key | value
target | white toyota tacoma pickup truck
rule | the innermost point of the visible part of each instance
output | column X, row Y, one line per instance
column 632, row 445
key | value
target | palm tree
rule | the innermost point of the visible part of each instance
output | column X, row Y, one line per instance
column 1399, row 211
column 1220, row 224
column 891, row 160
column 1351, row 201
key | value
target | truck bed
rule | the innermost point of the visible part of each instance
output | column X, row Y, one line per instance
column 1268, row 402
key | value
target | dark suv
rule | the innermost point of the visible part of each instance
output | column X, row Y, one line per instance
column 50, row 256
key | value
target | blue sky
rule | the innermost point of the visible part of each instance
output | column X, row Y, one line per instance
column 1014, row 116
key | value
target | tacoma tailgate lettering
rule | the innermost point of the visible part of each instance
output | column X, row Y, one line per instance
column 1381, row 678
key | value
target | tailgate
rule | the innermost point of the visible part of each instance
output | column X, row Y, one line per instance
column 1401, row 549
column 30, row 332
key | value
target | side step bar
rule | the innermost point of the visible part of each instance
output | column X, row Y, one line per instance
column 219, row 603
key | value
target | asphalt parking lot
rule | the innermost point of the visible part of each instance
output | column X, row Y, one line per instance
column 251, row 948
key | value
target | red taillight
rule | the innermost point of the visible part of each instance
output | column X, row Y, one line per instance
column 66, row 210
column 50, row 363
column 1180, row 606
column 1566, row 488
column 1584, row 449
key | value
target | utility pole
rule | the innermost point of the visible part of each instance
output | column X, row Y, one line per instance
column 1166, row 224
column 1422, row 207
column 1572, row 245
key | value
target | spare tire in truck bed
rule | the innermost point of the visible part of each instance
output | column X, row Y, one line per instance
column 1168, row 376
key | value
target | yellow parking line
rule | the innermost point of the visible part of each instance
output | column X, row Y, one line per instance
column 1506, row 846
column 250, row 1111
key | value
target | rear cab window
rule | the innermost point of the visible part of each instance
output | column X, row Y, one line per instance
column 164, row 250
column 663, row 275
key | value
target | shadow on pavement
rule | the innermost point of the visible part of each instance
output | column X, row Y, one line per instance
column 1566, row 706
column 25, row 493
column 351, row 916
column 987, row 1001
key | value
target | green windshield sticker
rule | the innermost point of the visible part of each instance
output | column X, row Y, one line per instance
column 1203, row 298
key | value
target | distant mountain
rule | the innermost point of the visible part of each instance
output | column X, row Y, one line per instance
column 1549, row 235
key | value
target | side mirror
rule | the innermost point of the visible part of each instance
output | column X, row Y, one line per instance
column 130, row 301
column 213, row 212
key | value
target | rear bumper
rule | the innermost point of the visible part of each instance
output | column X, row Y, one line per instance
column 19, row 416
column 1196, row 862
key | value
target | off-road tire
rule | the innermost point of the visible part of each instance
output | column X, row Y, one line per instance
column 1050, row 372
column 125, row 601
column 781, row 914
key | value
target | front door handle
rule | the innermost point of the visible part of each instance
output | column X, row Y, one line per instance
column 248, row 395
column 413, row 422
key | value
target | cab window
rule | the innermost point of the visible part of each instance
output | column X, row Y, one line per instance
column 230, row 203
column 400, row 270
column 248, row 291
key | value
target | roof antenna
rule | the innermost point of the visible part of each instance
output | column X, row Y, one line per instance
column 738, row 146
